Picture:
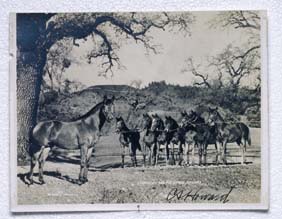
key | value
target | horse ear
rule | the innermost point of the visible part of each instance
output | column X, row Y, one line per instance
column 216, row 108
column 105, row 98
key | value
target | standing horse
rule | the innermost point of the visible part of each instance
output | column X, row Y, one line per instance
column 82, row 133
column 128, row 138
column 179, row 139
column 198, row 134
column 149, row 138
column 160, row 135
column 228, row 133
column 171, row 128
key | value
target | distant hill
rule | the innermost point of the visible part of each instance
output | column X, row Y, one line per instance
column 131, row 103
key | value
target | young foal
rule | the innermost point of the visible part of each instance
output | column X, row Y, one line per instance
column 150, row 133
column 227, row 133
column 171, row 129
column 82, row 133
column 158, row 129
column 128, row 138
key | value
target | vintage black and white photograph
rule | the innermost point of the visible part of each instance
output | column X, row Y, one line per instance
column 163, row 109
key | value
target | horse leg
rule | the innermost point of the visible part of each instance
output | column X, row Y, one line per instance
column 224, row 152
column 133, row 155
column 186, row 154
column 88, row 157
column 200, row 154
column 218, row 153
column 144, row 155
column 41, row 161
column 150, row 155
column 167, row 153
column 205, row 153
column 33, row 159
column 216, row 157
column 157, row 153
column 180, row 153
column 135, row 159
column 172, row 154
column 83, row 163
column 243, row 150
column 193, row 154
column 122, row 151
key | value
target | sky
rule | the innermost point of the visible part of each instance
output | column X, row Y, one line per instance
column 204, row 42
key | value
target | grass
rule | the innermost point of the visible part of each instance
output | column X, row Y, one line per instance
column 108, row 183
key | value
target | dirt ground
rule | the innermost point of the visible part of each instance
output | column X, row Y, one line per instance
column 108, row 183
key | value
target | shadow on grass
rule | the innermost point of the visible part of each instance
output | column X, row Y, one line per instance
column 56, row 174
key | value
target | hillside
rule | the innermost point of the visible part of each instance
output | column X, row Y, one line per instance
column 131, row 103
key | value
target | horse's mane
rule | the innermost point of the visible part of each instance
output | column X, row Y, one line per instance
column 162, row 124
column 90, row 112
column 174, row 123
column 125, row 126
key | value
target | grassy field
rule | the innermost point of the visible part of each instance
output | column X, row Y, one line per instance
column 108, row 183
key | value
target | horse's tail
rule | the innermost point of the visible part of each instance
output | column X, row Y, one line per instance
column 138, row 142
column 249, row 140
column 246, row 133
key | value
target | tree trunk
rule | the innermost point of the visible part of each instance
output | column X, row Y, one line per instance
column 31, row 58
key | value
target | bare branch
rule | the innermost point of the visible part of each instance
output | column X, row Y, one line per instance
column 131, row 25
column 204, row 79
column 237, row 19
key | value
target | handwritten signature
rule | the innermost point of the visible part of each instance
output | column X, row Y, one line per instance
column 199, row 194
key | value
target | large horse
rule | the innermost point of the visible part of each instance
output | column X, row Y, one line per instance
column 228, row 132
column 199, row 134
column 82, row 133
column 128, row 138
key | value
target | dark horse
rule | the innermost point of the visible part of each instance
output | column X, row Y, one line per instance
column 227, row 132
column 82, row 133
column 171, row 129
column 128, row 138
column 160, row 136
column 149, row 134
column 199, row 134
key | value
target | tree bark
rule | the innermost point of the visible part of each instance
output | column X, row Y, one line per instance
column 31, row 57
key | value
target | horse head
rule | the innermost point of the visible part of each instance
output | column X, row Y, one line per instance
column 157, row 123
column 147, row 121
column 108, row 109
column 213, row 116
column 170, row 124
column 120, row 124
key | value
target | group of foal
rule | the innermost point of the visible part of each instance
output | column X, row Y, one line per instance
column 192, row 132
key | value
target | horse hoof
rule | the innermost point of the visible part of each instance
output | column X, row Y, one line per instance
column 42, row 182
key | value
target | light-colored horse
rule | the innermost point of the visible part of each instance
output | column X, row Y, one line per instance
column 228, row 132
column 82, row 133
